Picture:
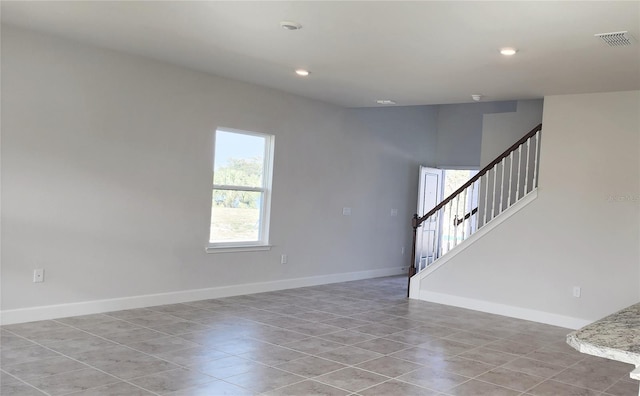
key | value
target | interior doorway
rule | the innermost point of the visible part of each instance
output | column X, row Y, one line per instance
column 437, row 235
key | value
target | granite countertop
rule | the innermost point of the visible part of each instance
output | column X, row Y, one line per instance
column 615, row 337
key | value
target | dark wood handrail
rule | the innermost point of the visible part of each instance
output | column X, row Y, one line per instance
column 419, row 220
column 458, row 221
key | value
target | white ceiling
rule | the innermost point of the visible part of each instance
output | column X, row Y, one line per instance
column 360, row 51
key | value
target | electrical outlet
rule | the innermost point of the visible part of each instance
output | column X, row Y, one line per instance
column 577, row 291
column 346, row 211
column 38, row 275
column 402, row 251
column 283, row 259
column 394, row 212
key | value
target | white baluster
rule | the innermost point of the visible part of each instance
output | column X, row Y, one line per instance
column 449, row 225
column 510, row 178
column 439, row 232
column 434, row 236
column 526, row 176
column 464, row 213
column 470, row 205
column 495, row 179
column 502, row 163
column 535, row 159
column 519, row 167
column 455, row 226
column 486, row 197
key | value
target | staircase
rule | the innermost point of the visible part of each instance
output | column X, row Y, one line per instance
column 500, row 188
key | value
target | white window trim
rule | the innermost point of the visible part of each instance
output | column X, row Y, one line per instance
column 231, row 249
column 267, row 178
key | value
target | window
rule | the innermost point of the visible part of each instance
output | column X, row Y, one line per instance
column 240, row 201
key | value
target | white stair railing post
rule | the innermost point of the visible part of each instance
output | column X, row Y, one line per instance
column 501, row 186
column 510, row 178
column 464, row 213
column 526, row 176
column 449, row 222
column 535, row 161
column 495, row 181
column 486, row 197
column 519, row 172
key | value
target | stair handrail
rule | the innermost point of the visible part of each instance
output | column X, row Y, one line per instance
column 417, row 221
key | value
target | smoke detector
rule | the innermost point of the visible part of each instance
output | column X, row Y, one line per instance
column 476, row 97
column 616, row 39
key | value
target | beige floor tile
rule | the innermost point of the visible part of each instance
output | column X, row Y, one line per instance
column 44, row 367
column 171, row 381
column 309, row 388
column 310, row 366
column 264, row 379
column 489, row 356
column 595, row 381
column 623, row 388
column 350, row 355
column 554, row 388
column 465, row 367
column 352, row 379
column 19, row 388
column 381, row 345
column 479, row 388
column 389, row 366
column 555, row 357
column 9, row 340
column 511, row 379
column 216, row 388
column 25, row 354
column 348, row 337
column 534, row 367
column 397, row 388
column 192, row 356
column 117, row 389
column 227, row 367
column 432, row 379
column 74, row 381
column 313, row 345
column 164, row 344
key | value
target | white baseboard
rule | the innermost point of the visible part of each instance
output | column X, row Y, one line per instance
column 115, row 304
column 504, row 310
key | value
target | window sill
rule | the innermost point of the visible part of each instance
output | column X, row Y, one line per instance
column 235, row 249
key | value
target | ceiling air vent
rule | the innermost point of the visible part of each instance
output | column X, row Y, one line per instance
column 616, row 39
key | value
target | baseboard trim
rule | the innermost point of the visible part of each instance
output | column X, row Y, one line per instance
column 504, row 310
column 46, row 312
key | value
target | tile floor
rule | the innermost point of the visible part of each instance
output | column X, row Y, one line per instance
column 355, row 338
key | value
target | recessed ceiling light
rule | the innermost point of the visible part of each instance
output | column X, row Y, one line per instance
column 290, row 25
column 508, row 51
column 303, row 72
column 385, row 102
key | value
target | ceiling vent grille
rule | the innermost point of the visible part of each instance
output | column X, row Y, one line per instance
column 616, row 39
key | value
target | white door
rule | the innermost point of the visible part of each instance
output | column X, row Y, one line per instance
column 428, row 234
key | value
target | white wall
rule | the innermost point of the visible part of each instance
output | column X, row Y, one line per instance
column 573, row 234
column 107, row 172
column 460, row 132
column 501, row 130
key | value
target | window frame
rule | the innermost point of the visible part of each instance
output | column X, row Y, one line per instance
column 265, row 208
